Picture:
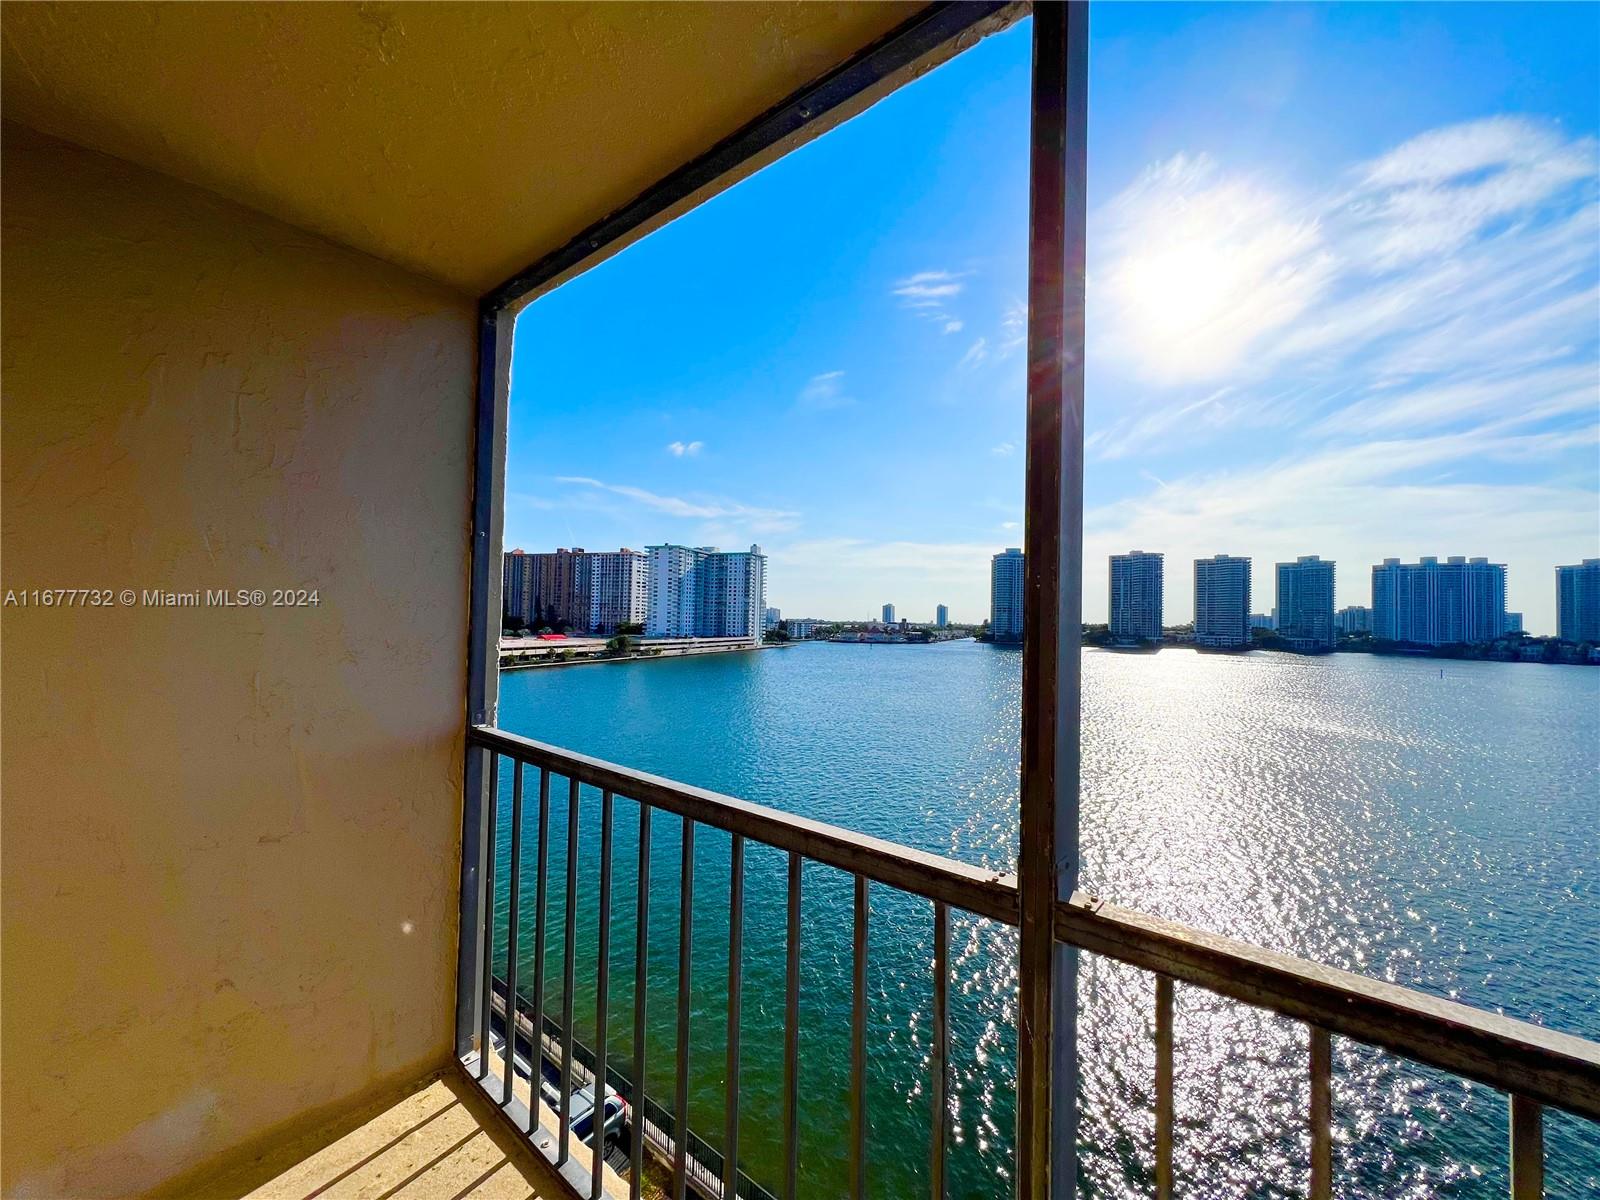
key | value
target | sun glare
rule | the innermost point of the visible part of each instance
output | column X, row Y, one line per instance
column 1200, row 267
column 1174, row 293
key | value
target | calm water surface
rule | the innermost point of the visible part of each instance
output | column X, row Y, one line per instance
column 1438, row 830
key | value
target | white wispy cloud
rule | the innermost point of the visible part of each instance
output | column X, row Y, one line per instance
column 1313, row 309
column 1013, row 328
column 976, row 353
column 823, row 393
column 747, row 516
column 1431, row 194
column 684, row 449
column 1004, row 449
column 929, row 289
column 928, row 295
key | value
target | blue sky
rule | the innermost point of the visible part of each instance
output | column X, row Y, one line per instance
column 1343, row 300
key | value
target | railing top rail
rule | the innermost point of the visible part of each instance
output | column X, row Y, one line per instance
column 1542, row 1064
column 961, row 885
column 1516, row 1056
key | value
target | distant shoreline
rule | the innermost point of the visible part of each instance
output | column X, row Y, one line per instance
column 549, row 659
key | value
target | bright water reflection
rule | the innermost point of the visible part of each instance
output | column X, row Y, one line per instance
column 1434, row 829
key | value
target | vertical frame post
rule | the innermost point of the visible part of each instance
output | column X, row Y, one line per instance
column 1047, row 1067
column 483, row 642
column 1527, row 1149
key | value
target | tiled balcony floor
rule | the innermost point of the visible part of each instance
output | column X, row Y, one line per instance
column 443, row 1141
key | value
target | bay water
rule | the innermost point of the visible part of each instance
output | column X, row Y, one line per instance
column 1431, row 823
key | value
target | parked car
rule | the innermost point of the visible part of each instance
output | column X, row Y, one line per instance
column 581, row 1113
column 582, row 1109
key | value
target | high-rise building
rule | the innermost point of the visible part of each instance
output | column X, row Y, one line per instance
column 773, row 619
column 888, row 614
column 941, row 616
column 1007, row 573
column 673, row 591
column 705, row 592
column 1134, row 610
column 618, row 588
column 1352, row 620
column 1262, row 621
column 1305, row 603
column 1222, row 601
column 1513, row 623
column 558, row 593
column 1578, row 602
column 516, row 585
column 1433, row 603
column 733, row 600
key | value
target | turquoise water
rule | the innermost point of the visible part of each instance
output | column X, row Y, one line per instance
column 1440, row 831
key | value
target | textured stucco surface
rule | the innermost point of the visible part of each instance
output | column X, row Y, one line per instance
column 230, row 835
column 460, row 140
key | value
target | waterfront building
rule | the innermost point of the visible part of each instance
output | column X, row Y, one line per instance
column 618, row 588
column 558, row 594
column 801, row 628
column 941, row 616
column 1134, row 610
column 1305, row 603
column 1222, row 601
column 1578, row 602
column 773, row 618
column 672, row 592
column 705, row 592
column 1513, row 623
column 1432, row 603
column 1261, row 621
column 1007, row 572
column 734, row 599
column 1355, row 619
column 888, row 614
column 516, row 585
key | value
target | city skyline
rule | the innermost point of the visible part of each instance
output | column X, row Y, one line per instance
column 1359, row 319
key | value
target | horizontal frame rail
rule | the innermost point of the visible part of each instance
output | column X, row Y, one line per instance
column 1515, row 1056
column 960, row 885
column 1543, row 1065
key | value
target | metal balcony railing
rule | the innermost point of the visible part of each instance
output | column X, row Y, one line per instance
column 1536, row 1066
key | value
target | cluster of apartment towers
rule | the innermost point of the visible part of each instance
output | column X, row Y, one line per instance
column 1427, row 603
column 672, row 591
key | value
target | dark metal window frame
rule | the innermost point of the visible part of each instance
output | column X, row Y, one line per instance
column 1047, row 1066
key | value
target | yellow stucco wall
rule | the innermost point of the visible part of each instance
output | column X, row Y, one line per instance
column 230, row 835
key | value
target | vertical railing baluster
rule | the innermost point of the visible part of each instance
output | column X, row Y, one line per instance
column 939, row 1057
column 680, row 1132
column 540, row 909
column 791, row 1040
column 1527, row 1149
column 641, row 956
column 858, row 1050
column 730, row 1151
column 569, row 981
column 1321, row 1114
column 487, row 960
column 514, row 882
column 602, row 998
column 1163, row 1087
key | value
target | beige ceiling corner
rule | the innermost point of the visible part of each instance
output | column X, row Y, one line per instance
column 459, row 140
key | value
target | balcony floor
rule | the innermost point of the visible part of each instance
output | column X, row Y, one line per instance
column 443, row 1141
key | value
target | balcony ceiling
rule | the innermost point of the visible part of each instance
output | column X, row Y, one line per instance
column 462, row 141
